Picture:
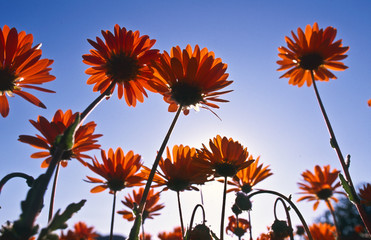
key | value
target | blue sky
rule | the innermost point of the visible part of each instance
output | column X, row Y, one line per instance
column 279, row 122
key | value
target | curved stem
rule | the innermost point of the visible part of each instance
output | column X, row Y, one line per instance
column 344, row 165
column 29, row 179
column 223, row 209
column 291, row 204
column 193, row 215
column 329, row 205
column 287, row 215
column 180, row 213
column 113, row 215
column 51, row 205
column 157, row 160
column 95, row 103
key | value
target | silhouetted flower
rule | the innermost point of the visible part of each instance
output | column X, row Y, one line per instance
column 85, row 139
column 81, row 231
column 123, row 58
column 240, row 229
column 21, row 67
column 314, row 50
column 365, row 194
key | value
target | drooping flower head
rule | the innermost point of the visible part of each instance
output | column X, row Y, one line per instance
column 151, row 207
column 174, row 235
column 365, row 194
column 189, row 78
column 21, row 68
column 237, row 229
column 323, row 231
column 248, row 177
column 81, row 231
column 178, row 171
column 312, row 50
column 118, row 170
column 226, row 157
column 124, row 58
column 85, row 139
column 320, row 185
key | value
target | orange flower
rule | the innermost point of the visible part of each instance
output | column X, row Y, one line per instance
column 151, row 207
column 118, row 169
column 319, row 186
column 226, row 157
column 123, row 58
column 369, row 102
column 365, row 194
column 248, row 177
column 189, row 78
column 81, row 232
column 314, row 50
column 175, row 235
column 147, row 236
column 21, row 67
column 179, row 172
column 85, row 139
column 240, row 229
column 323, row 231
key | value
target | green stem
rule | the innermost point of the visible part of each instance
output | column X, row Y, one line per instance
column 113, row 215
column 329, row 205
column 52, row 197
column 223, row 210
column 298, row 213
column 180, row 213
column 335, row 145
column 157, row 160
column 95, row 103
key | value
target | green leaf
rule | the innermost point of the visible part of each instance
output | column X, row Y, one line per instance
column 59, row 220
column 134, row 232
column 347, row 188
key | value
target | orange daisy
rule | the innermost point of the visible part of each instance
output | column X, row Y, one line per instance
column 21, row 67
column 323, row 231
column 174, row 235
column 312, row 50
column 81, row 231
column 320, row 185
column 248, row 177
column 147, row 236
column 123, row 58
column 118, row 170
column 151, row 207
column 226, row 157
column 240, row 229
column 369, row 102
column 179, row 172
column 189, row 78
column 85, row 139
column 365, row 194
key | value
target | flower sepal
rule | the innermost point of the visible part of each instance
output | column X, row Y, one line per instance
column 66, row 140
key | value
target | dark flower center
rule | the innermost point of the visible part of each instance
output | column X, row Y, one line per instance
column 6, row 80
column 281, row 229
column 239, row 232
column 116, row 184
column 311, row 61
column 186, row 94
column 226, row 169
column 200, row 232
column 178, row 184
column 324, row 193
column 246, row 188
column 67, row 155
column 122, row 68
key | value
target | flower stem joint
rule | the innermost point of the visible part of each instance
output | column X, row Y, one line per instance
column 243, row 201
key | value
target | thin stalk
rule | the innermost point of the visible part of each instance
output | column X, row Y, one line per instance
column 238, row 225
column 329, row 205
column 298, row 213
column 335, row 145
column 287, row 214
column 143, row 235
column 223, row 209
column 113, row 215
column 52, row 197
column 250, row 227
column 157, row 160
column 95, row 103
column 180, row 213
column 193, row 215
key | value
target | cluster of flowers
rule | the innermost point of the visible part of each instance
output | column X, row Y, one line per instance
column 186, row 78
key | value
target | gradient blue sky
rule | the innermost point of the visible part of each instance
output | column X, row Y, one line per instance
column 279, row 122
